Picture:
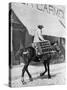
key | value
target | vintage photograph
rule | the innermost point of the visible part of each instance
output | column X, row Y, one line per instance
column 36, row 44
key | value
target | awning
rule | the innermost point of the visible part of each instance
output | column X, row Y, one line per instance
column 32, row 17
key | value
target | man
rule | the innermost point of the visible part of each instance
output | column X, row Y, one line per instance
column 38, row 38
column 38, row 34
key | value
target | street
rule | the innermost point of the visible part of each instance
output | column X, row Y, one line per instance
column 57, row 75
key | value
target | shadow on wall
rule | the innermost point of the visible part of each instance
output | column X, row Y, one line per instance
column 21, row 40
column 20, row 36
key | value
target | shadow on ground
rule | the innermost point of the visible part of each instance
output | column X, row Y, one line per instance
column 42, row 77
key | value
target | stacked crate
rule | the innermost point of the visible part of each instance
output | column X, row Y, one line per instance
column 45, row 46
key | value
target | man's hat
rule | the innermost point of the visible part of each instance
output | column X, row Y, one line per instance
column 40, row 26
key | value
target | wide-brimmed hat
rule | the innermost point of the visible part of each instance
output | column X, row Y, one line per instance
column 40, row 26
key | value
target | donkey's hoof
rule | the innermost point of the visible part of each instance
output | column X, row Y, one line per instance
column 41, row 74
column 49, row 77
column 23, row 82
column 31, row 79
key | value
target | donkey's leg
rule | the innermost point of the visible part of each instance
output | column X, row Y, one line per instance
column 30, row 77
column 45, row 65
column 49, row 76
column 23, row 71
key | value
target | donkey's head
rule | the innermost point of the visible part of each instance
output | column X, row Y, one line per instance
column 26, row 52
column 19, row 52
